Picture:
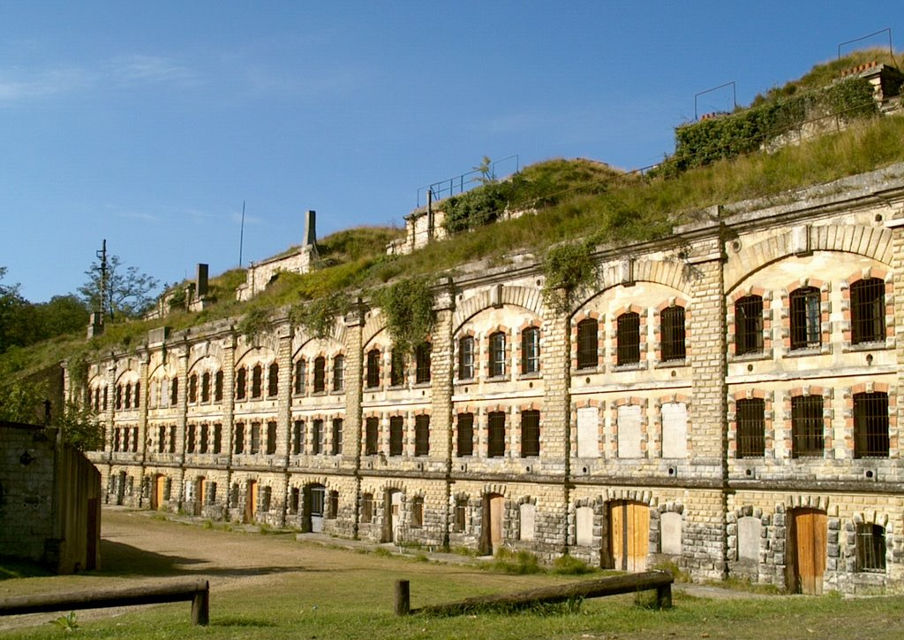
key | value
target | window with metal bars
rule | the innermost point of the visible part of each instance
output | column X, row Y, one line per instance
column 868, row 311
column 496, row 434
column 205, row 437
column 871, row 425
column 118, row 397
column 255, row 438
column 396, row 434
column 337, row 437
column 397, row 369
column 748, row 325
column 257, row 381
column 373, row 369
column 339, row 373
column 217, row 437
column 298, row 437
column 273, row 380
column 466, row 358
column 317, row 437
column 588, row 343
column 422, row 355
column 190, row 445
column 371, row 432
column 806, row 318
column 271, row 438
column 241, row 383
column 672, row 334
column 530, row 433
column 422, row 435
column 417, row 513
column 807, row 426
column 530, row 350
column 319, row 374
column 870, row 547
column 193, row 388
column 161, row 439
column 172, row 439
column 497, row 355
column 628, row 338
column 751, row 423
column 239, row 437
column 218, row 387
column 205, row 387
column 300, row 374
column 465, row 437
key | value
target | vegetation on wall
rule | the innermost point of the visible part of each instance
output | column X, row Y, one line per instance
column 408, row 307
column 254, row 323
column 568, row 268
column 317, row 317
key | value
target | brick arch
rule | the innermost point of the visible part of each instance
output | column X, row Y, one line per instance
column 496, row 489
column 337, row 332
column 803, row 501
column 374, row 324
column 862, row 240
column 666, row 273
column 205, row 363
column 517, row 296
column 334, row 348
column 633, row 495
column 255, row 355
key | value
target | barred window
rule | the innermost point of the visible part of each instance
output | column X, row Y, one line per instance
column 868, row 311
column 806, row 314
column 417, row 512
column 530, row 350
column 497, row 355
column 193, row 388
column 422, row 435
column 496, row 435
column 339, row 373
column 319, row 374
column 466, row 358
column 672, row 334
column 240, row 383
column 217, row 437
column 465, row 438
column 239, row 437
column 751, row 428
column 373, row 368
column 172, row 439
column 317, row 437
column 218, row 387
column 255, row 437
column 588, row 343
column 298, row 437
column 371, row 431
column 628, row 338
column 397, row 369
column 273, row 380
column 807, row 426
column 257, row 381
column 367, row 508
column 205, row 387
column 118, row 397
column 300, row 375
column 161, row 439
column 422, row 362
column 205, row 437
column 396, row 429
column 871, row 425
column 749, row 325
column 271, row 438
column 337, row 437
column 870, row 547
column 530, row 433
column 190, row 445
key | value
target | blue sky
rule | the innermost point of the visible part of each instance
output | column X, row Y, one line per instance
column 149, row 123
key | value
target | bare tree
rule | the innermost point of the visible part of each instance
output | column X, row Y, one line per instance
column 127, row 292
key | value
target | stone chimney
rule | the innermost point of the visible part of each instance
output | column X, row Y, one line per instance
column 310, row 229
column 201, row 280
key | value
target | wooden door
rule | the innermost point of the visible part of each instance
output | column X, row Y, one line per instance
column 159, row 492
column 497, row 510
column 629, row 535
column 807, row 546
column 250, row 501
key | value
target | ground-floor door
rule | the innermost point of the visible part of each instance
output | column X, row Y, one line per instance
column 629, row 535
column 251, row 491
column 492, row 537
column 158, row 491
column 392, row 515
column 200, row 489
column 806, row 551
column 314, row 495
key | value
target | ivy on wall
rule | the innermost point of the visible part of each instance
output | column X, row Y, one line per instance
column 568, row 268
column 408, row 307
column 254, row 323
column 317, row 317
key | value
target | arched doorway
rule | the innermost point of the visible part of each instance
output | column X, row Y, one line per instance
column 158, row 492
column 314, row 499
column 629, row 535
column 491, row 535
column 806, row 551
column 392, row 515
column 251, row 491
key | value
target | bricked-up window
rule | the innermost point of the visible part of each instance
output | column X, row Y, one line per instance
column 530, row 350
column 464, row 445
column 240, row 383
column 336, row 444
column 273, row 380
column 205, row 387
column 671, row 325
column 748, row 325
column 373, row 369
column 271, row 438
column 806, row 323
column 397, row 369
column 217, row 438
column 870, row 547
column 628, row 338
column 367, row 508
column 466, row 358
column 239, row 437
column 807, row 426
column 317, row 437
column 319, row 374
column 396, row 430
column 299, row 382
column 588, row 343
column 497, row 355
column 218, row 387
column 255, row 438
column 193, row 388
column 339, row 373
column 417, row 513
column 496, row 434
column 422, row 435
column 871, row 425
column 257, row 381
column 161, row 439
column 422, row 362
column 172, row 439
column 298, row 437
column 751, row 428
column 332, row 511
column 868, row 311
column 461, row 513
column 530, row 433
column 371, row 436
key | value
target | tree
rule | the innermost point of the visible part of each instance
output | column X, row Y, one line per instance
column 129, row 292
column 24, row 401
column 15, row 325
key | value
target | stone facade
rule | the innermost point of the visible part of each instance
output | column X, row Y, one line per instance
column 723, row 400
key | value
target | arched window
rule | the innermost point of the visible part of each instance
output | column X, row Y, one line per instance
column 205, row 387
column 530, row 350
column 671, row 325
column 218, row 387
column 870, row 547
column 805, row 318
column 628, row 338
column 588, row 343
column 257, row 381
column 319, row 374
column 397, row 369
column 496, row 363
column 807, row 426
column 273, row 380
column 530, row 433
column 373, row 369
column 338, row 373
column 300, row 374
column 422, row 362
column 193, row 388
column 422, row 435
column 241, row 383
column 466, row 358
column 417, row 513
column 748, row 325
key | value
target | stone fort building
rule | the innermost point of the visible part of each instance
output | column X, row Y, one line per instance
column 726, row 399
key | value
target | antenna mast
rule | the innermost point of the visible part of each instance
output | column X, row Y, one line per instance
column 102, row 256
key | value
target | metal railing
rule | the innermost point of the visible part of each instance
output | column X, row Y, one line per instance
column 463, row 182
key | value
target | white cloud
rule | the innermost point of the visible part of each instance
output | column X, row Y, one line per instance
column 142, row 69
column 138, row 215
column 17, row 85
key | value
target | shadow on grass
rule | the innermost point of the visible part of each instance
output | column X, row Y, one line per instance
column 12, row 568
column 240, row 622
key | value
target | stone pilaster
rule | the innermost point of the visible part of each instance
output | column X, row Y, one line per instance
column 442, row 367
column 144, row 358
column 284, row 397
column 354, row 394
column 181, row 419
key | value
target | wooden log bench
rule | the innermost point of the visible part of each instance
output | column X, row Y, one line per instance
column 198, row 591
column 660, row 581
